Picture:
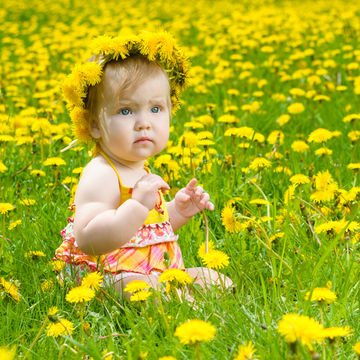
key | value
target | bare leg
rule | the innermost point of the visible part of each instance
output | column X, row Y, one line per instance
column 206, row 277
column 120, row 282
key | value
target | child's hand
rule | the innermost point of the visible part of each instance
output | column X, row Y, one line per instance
column 146, row 190
column 192, row 199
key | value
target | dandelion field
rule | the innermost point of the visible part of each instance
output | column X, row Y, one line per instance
column 269, row 125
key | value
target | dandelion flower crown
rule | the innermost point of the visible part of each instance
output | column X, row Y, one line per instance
column 159, row 47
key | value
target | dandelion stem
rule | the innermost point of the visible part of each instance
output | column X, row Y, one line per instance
column 197, row 350
column 206, row 231
column 2, row 242
column 43, row 325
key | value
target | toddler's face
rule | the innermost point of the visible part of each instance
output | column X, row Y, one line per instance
column 138, row 127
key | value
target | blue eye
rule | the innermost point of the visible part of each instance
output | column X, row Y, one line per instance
column 155, row 109
column 125, row 111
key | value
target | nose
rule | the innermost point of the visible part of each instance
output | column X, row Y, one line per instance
column 142, row 122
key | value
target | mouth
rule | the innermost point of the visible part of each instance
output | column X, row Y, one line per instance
column 143, row 139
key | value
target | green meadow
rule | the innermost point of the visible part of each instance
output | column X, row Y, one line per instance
column 269, row 125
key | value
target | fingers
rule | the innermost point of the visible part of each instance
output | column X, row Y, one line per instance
column 191, row 184
column 197, row 193
column 182, row 197
column 205, row 201
column 152, row 181
column 146, row 189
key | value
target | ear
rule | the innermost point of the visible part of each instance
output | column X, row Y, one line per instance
column 95, row 132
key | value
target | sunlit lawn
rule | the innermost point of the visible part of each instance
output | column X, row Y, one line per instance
column 270, row 127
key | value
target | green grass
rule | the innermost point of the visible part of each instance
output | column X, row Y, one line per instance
column 270, row 280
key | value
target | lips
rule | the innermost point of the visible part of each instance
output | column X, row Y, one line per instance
column 143, row 139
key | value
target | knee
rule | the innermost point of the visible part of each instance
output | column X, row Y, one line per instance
column 207, row 277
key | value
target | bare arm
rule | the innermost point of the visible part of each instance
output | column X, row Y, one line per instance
column 102, row 226
column 110, row 228
column 176, row 219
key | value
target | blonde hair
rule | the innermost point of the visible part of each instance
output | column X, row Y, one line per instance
column 119, row 77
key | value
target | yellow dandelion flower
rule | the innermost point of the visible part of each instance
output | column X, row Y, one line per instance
column 73, row 91
column 5, row 208
column 10, row 289
column 78, row 170
column 206, row 142
column 351, row 118
column 276, row 137
column 205, row 120
column 166, row 47
column 276, row 236
column 34, row 254
column 90, row 73
column 260, row 163
column 215, row 259
column 6, row 138
column 323, row 151
column 323, row 180
column 356, row 348
column 336, row 227
column 190, row 139
column 14, row 224
column 149, row 47
column 7, row 353
column 299, row 179
column 259, row 202
column 93, row 280
column 354, row 166
column 322, row 196
column 53, row 310
column 321, row 98
column 167, row 358
column 295, row 108
column 321, row 294
column 176, row 277
column 80, row 294
column 337, row 331
column 3, row 168
column 299, row 146
column 194, row 331
column 202, row 248
column 283, row 119
column 228, row 119
column 320, row 135
column 162, row 160
column 101, row 45
column 295, row 327
column 119, row 47
column 260, row 138
column 140, row 296
column 354, row 135
column 80, row 116
column 59, row 328
column 46, row 285
column 244, row 145
column 283, row 169
column 289, row 194
column 135, row 286
column 229, row 219
column 54, row 161
column 297, row 92
column 38, row 173
column 28, row 202
column 246, row 352
column 57, row 265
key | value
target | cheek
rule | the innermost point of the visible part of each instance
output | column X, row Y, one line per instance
column 118, row 128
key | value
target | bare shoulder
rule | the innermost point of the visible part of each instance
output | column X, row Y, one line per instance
column 98, row 184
